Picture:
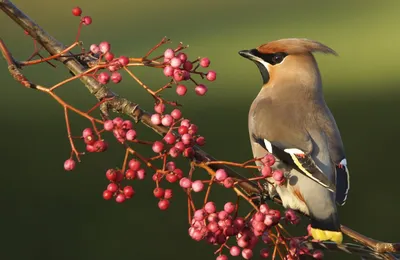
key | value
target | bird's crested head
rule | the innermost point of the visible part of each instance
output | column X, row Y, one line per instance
column 287, row 60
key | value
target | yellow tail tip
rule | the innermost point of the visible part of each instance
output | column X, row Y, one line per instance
column 323, row 235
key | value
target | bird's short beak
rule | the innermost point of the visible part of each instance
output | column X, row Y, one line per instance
column 248, row 54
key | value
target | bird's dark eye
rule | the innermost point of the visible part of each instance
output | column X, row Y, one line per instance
column 277, row 58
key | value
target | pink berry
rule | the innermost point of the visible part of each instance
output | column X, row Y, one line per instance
column 120, row 198
column 87, row 132
column 197, row 186
column 173, row 152
column 210, row 207
column 109, row 56
column 108, row 125
column 266, row 171
column 104, row 47
column 204, row 62
column 168, row 194
column 116, row 77
column 229, row 207
column 119, row 176
column 159, row 108
column 318, row 254
column 141, row 174
column 107, row 195
column 228, row 182
column 169, row 53
column 180, row 146
column 175, row 62
column 87, row 20
column 221, row 175
column 264, row 208
column 90, row 139
column 168, row 71
column 222, row 257
column 234, row 251
column 103, row 77
column 156, row 119
column 200, row 90
column 112, row 187
column 167, row 120
column 264, row 253
column 123, row 60
column 94, row 48
column 170, row 166
column 118, row 121
column 178, row 75
column 157, row 147
column 113, row 68
column 201, row 141
column 268, row 159
column 69, row 165
column 131, row 135
column 130, row 174
column 187, row 139
column 169, row 138
column 199, row 215
column 211, row 75
column 278, row 176
column 171, row 178
column 188, row 65
column 247, row 253
column 183, row 130
column 186, row 74
column 163, row 204
column 134, row 164
column 222, row 215
column 158, row 193
column 185, row 183
column 188, row 152
column 76, row 11
column 176, row 114
column 127, row 124
column 100, row 146
column 111, row 174
column 182, row 56
column 129, row 192
column 185, row 122
column 193, row 129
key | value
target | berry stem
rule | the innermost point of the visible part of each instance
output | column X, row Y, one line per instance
column 125, row 160
column 71, row 141
column 32, row 62
column 209, row 189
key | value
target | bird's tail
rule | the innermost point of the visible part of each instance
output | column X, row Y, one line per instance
column 324, row 230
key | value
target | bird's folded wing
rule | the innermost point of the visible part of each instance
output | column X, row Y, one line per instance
column 279, row 129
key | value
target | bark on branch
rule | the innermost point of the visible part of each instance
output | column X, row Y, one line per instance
column 369, row 248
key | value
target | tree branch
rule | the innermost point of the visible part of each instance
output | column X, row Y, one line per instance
column 369, row 248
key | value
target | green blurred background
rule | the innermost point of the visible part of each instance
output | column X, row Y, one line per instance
column 48, row 213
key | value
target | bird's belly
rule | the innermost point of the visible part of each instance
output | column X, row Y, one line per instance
column 289, row 191
column 291, row 198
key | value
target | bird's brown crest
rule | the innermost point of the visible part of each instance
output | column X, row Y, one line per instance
column 295, row 46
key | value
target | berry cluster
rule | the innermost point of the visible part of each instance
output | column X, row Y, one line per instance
column 103, row 50
column 178, row 67
column 266, row 170
column 220, row 227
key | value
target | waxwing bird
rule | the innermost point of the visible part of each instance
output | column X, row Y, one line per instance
column 290, row 119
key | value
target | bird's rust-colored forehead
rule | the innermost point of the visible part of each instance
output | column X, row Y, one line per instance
column 294, row 46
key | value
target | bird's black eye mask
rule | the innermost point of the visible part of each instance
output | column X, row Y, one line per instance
column 271, row 58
